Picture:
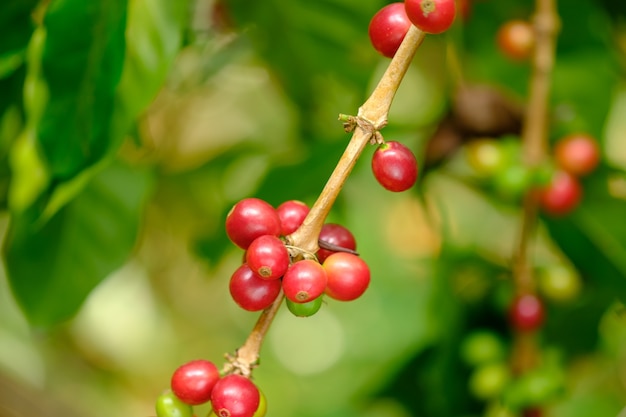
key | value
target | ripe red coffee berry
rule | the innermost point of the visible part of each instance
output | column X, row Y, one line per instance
column 304, row 281
column 526, row 313
column 235, row 396
column 394, row 166
column 431, row 16
column 267, row 256
column 516, row 39
column 348, row 276
column 388, row 28
column 291, row 214
column 251, row 292
column 193, row 382
column 562, row 195
column 335, row 235
column 578, row 154
column 249, row 219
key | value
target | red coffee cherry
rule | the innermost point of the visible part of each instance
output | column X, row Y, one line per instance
column 249, row 219
column 516, row 39
column 562, row 195
column 388, row 28
column 251, row 292
column 267, row 256
column 348, row 276
column 526, row 313
column 304, row 281
column 394, row 166
column 336, row 235
column 193, row 382
column 235, row 396
column 291, row 214
column 431, row 16
column 578, row 154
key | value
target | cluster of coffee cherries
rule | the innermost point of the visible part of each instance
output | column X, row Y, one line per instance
column 491, row 378
column 557, row 182
column 271, row 264
column 391, row 23
column 199, row 382
column 486, row 353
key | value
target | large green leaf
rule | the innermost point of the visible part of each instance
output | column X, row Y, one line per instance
column 17, row 26
column 82, row 65
column 153, row 38
column 53, row 268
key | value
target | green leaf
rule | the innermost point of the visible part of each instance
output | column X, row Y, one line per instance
column 82, row 65
column 153, row 38
column 17, row 26
column 53, row 268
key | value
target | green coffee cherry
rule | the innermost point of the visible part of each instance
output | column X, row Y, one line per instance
column 304, row 309
column 168, row 405
column 489, row 381
column 559, row 283
column 481, row 347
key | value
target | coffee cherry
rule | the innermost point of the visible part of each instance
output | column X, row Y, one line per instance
column 261, row 410
column 394, row 166
column 481, row 347
column 513, row 181
column 304, row 281
column 431, row 16
column 559, row 283
column 267, row 256
column 578, row 154
column 388, row 28
column 336, row 235
column 193, row 381
column 532, row 412
column 516, row 39
column 249, row 219
column 291, row 214
column 526, row 313
column 486, row 156
column 169, row 405
column 562, row 195
column 305, row 309
column 251, row 292
column 235, row 396
column 489, row 380
column 348, row 276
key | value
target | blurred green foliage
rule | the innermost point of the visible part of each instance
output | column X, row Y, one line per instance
column 129, row 128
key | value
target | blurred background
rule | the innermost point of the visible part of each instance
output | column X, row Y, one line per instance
column 129, row 129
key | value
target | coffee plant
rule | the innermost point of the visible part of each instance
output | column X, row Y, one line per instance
column 227, row 208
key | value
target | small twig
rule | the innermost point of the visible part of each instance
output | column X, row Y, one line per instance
column 535, row 149
column 371, row 118
column 247, row 356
